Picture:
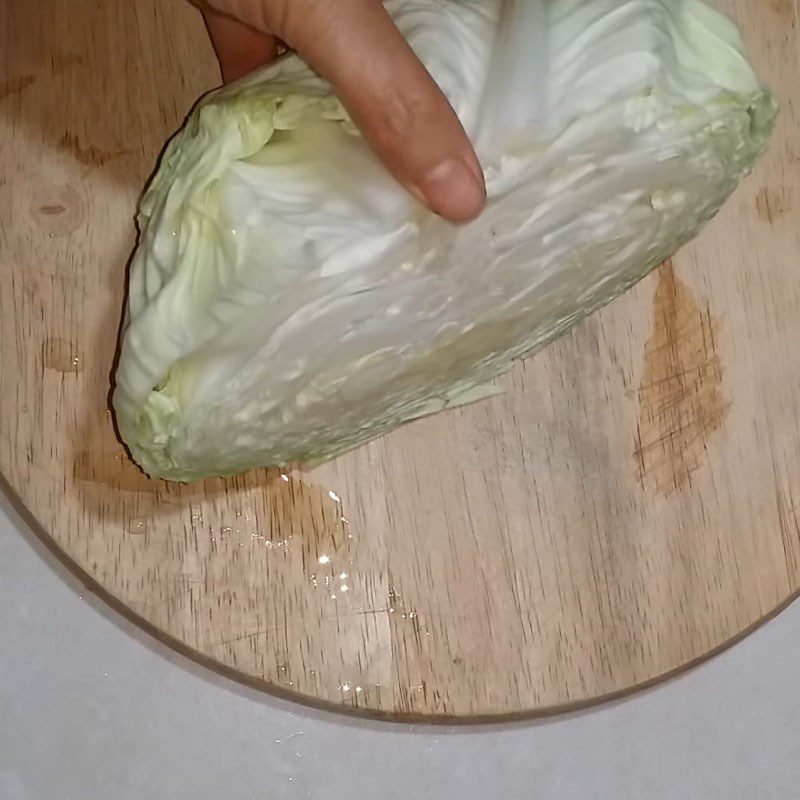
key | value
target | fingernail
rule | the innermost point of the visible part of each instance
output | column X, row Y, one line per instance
column 453, row 190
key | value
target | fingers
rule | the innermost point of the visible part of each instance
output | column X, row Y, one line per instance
column 391, row 97
column 388, row 92
column 240, row 48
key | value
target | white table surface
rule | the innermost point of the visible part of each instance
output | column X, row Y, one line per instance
column 91, row 708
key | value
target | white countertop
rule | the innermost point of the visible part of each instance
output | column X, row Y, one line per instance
column 91, row 708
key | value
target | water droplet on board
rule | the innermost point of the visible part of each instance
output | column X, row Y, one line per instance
column 137, row 527
column 60, row 355
column 312, row 514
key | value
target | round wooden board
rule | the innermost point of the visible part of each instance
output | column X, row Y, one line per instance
column 628, row 506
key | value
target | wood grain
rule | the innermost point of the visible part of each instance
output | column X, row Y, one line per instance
column 628, row 505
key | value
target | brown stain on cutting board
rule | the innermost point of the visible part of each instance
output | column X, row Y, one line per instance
column 680, row 395
column 58, row 209
column 88, row 155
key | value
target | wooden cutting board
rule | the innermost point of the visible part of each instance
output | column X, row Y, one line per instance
column 626, row 508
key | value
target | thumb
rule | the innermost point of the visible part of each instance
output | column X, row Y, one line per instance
column 389, row 94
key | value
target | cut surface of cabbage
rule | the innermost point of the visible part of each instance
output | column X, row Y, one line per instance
column 289, row 301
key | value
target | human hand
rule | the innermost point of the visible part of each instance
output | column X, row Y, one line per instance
column 388, row 92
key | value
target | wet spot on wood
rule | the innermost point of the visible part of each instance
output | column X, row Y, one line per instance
column 138, row 526
column 110, row 466
column 681, row 396
column 60, row 355
column 272, row 510
column 315, row 517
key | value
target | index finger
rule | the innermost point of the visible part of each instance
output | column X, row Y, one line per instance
column 388, row 92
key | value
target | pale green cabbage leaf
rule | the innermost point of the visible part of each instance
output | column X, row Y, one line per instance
column 289, row 301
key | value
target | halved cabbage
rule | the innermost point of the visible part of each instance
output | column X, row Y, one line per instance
column 289, row 301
